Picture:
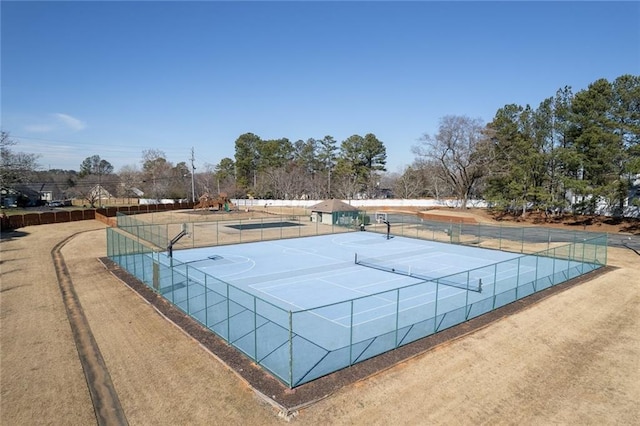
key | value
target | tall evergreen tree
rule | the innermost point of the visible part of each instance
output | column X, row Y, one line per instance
column 327, row 156
column 597, row 145
column 361, row 157
column 246, row 157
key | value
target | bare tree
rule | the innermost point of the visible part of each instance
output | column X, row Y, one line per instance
column 15, row 167
column 410, row 184
column 130, row 181
column 95, row 166
column 346, row 186
column 156, row 172
column 433, row 178
column 86, row 189
column 280, row 184
column 461, row 149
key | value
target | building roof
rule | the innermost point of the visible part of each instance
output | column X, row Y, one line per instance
column 333, row 205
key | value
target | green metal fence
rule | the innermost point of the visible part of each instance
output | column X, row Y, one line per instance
column 300, row 346
column 234, row 231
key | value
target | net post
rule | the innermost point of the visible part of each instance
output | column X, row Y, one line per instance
column 355, row 258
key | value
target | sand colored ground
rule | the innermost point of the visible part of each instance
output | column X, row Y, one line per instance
column 573, row 358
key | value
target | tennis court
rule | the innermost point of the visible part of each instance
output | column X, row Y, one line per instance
column 305, row 307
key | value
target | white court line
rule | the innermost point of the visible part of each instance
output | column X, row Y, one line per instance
column 359, row 243
column 387, row 303
column 252, row 265
column 435, row 269
column 362, row 311
column 303, row 251
column 290, row 250
column 429, row 293
column 413, row 260
column 335, row 321
column 296, row 278
column 373, row 296
column 399, row 278
column 344, row 287
column 310, row 310
column 353, row 289
column 404, row 299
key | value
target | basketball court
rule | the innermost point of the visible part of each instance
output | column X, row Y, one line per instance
column 305, row 307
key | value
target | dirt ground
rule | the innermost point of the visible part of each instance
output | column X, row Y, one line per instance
column 573, row 358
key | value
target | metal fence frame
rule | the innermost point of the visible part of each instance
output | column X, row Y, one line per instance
column 270, row 335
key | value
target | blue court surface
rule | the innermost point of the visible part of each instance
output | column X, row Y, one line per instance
column 305, row 307
column 304, row 273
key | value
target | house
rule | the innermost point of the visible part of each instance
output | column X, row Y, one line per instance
column 335, row 212
column 99, row 192
column 30, row 194
column 9, row 197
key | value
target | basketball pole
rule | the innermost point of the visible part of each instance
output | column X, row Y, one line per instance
column 174, row 240
column 388, row 228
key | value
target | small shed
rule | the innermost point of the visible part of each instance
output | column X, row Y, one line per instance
column 335, row 212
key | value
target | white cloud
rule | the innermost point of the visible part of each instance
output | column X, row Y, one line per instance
column 56, row 122
column 70, row 122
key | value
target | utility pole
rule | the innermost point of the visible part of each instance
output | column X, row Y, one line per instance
column 193, row 172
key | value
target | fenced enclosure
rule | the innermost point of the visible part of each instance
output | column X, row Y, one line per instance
column 246, row 228
column 299, row 342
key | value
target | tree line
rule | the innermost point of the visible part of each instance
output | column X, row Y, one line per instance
column 573, row 151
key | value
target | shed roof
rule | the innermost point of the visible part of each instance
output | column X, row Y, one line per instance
column 333, row 205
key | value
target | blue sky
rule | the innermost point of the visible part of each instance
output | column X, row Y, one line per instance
column 116, row 78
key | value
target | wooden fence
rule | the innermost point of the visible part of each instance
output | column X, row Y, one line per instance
column 106, row 215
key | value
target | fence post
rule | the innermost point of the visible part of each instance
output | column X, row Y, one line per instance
column 535, row 282
column 582, row 264
column 351, row 336
column 255, row 329
column 518, row 276
column 290, row 349
column 228, row 316
column 397, row 314
column 435, row 314
column 466, row 301
column 495, row 284
column 188, row 301
column 206, row 303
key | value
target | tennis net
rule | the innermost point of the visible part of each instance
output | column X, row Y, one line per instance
column 387, row 265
